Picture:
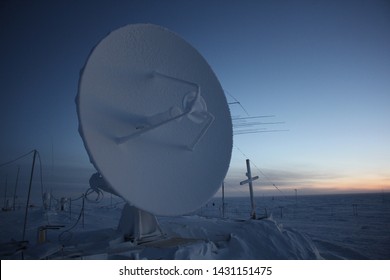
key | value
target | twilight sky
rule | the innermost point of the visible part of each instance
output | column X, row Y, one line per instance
column 322, row 67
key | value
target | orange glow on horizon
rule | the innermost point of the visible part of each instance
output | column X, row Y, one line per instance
column 375, row 183
column 330, row 186
column 345, row 185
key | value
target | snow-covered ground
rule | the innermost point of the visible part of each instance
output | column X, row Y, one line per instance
column 344, row 226
column 306, row 227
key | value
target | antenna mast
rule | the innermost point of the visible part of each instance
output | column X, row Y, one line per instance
column 249, row 181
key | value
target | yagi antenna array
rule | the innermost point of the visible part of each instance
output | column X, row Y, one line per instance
column 154, row 119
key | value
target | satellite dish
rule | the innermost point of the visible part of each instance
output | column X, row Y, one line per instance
column 154, row 119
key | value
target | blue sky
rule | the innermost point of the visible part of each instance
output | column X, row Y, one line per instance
column 322, row 67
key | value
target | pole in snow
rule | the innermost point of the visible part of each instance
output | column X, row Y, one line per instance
column 249, row 181
column 16, row 187
column 5, row 195
column 223, row 199
column 28, row 195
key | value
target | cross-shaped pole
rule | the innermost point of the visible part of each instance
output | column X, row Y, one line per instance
column 249, row 181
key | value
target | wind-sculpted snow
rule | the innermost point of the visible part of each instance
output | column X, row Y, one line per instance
column 242, row 239
column 318, row 227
